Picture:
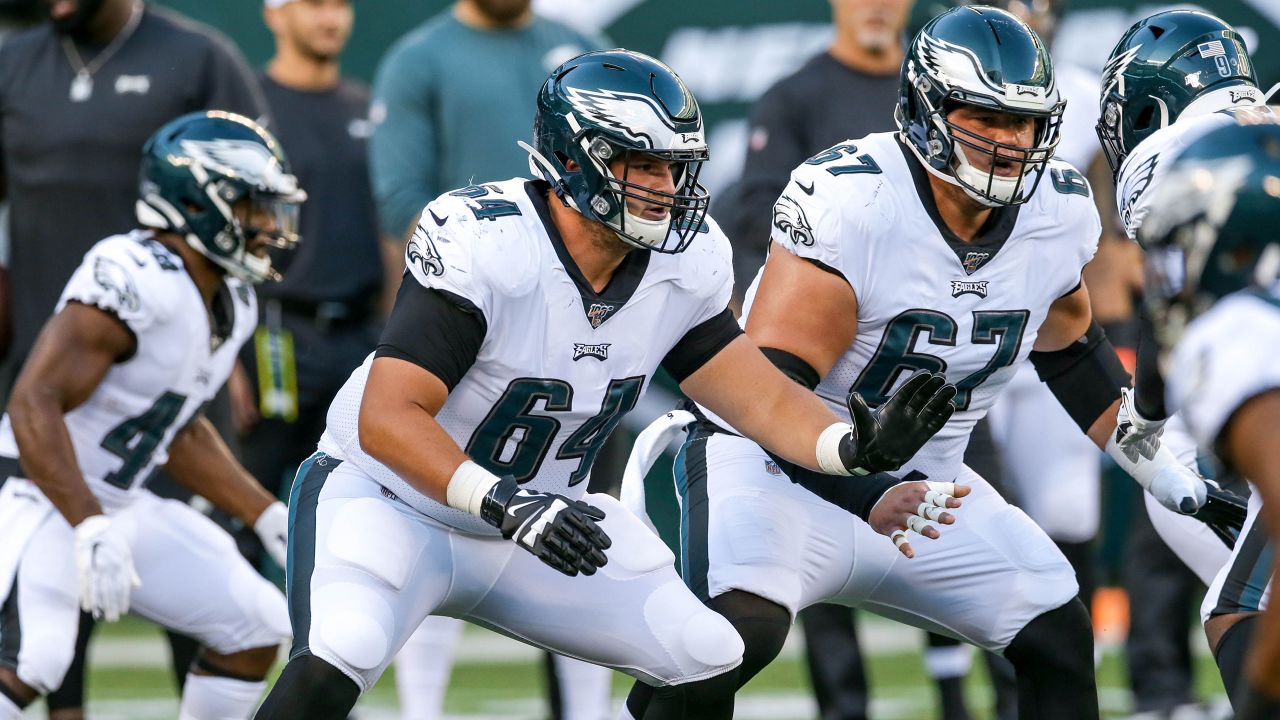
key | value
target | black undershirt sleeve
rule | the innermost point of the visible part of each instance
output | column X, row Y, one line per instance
column 1148, row 383
column 793, row 366
column 855, row 494
column 1085, row 377
column 436, row 330
column 700, row 344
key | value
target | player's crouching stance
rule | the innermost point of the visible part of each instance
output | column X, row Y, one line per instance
column 451, row 476
column 954, row 245
column 1213, row 259
column 145, row 333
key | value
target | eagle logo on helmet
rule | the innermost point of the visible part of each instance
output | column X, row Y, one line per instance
column 245, row 159
column 636, row 117
column 1113, row 72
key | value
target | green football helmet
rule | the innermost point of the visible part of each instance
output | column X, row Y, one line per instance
column 986, row 57
column 1212, row 226
column 194, row 171
column 1160, row 67
column 604, row 105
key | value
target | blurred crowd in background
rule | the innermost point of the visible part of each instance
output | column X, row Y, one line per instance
column 382, row 105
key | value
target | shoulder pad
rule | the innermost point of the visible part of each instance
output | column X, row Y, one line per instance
column 474, row 248
column 821, row 213
column 1067, row 197
column 132, row 276
column 705, row 268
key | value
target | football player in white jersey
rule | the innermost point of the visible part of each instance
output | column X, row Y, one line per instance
column 1053, row 471
column 145, row 333
column 954, row 245
column 1213, row 259
column 451, row 476
column 1172, row 78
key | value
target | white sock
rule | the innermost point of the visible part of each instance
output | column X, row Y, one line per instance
column 423, row 666
column 951, row 661
column 209, row 697
column 585, row 689
column 9, row 711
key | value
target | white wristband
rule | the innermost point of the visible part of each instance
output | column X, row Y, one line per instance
column 1144, row 470
column 828, row 449
column 468, row 486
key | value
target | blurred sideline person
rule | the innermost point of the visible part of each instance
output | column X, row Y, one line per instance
column 1213, row 262
column 1170, row 79
column 78, row 96
column 534, row 314
column 846, row 91
column 954, row 245
column 854, row 84
column 145, row 333
column 317, row 323
column 450, row 100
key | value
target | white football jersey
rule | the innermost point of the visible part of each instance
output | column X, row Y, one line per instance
column 559, row 366
column 927, row 302
column 1143, row 169
column 122, row 432
column 1225, row 357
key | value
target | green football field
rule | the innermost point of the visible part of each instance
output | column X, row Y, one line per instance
column 495, row 678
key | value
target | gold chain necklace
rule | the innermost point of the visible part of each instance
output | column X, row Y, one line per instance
column 82, row 84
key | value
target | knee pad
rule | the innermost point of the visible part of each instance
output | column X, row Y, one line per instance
column 705, row 643
column 353, row 626
column 370, row 535
column 44, row 659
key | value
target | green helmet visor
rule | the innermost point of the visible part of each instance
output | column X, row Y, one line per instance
column 273, row 220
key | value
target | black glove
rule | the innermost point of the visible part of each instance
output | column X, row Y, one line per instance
column 561, row 532
column 1224, row 512
column 889, row 437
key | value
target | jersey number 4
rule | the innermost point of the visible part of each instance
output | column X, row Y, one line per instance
column 514, row 440
column 136, row 439
column 897, row 351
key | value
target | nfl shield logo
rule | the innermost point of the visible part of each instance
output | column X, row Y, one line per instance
column 598, row 313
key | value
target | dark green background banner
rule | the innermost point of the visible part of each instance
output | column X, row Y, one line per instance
column 650, row 24
column 729, row 51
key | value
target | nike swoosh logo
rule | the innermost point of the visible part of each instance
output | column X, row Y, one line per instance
column 807, row 190
column 135, row 259
column 511, row 510
column 440, row 221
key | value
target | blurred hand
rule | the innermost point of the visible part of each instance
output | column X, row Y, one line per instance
column 244, row 402
column 105, row 565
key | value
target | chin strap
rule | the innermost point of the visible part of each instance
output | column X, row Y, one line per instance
column 540, row 166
